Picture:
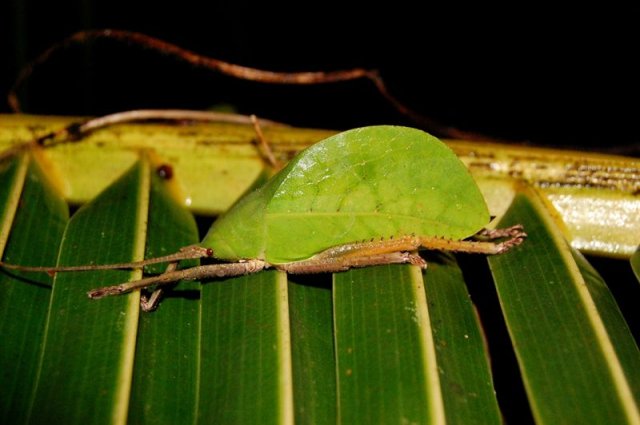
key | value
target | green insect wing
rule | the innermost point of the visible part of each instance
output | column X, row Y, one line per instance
column 372, row 182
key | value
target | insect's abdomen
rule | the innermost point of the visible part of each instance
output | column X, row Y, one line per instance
column 369, row 183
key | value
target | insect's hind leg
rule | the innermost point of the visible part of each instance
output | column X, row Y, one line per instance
column 516, row 231
column 395, row 250
column 483, row 243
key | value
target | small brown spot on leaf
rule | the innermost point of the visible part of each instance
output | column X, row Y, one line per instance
column 165, row 171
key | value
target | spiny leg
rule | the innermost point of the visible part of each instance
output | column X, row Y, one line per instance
column 351, row 253
column 336, row 259
column 507, row 232
column 515, row 234
column 193, row 273
column 338, row 263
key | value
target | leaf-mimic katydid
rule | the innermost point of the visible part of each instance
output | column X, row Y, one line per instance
column 364, row 197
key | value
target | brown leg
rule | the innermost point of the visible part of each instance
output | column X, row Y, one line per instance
column 341, row 257
column 150, row 303
column 471, row 247
column 200, row 272
column 329, row 264
column 336, row 259
column 516, row 231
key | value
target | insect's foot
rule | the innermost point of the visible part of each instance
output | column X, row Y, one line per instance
column 151, row 303
column 513, row 242
column 95, row 294
column 516, row 231
column 146, row 305
column 416, row 260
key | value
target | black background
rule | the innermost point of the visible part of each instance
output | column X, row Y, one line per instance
column 536, row 75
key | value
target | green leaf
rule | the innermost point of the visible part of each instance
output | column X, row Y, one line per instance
column 386, row 367
column 577, row 357
column 314, row 379
column 165, row 376
column 563, row 328
column 199, row 153
column 594, row 194
column 635, row 263
column 12, row 175
column 409, row 351
column 622, row 340
column 465, row 378
column 245, row 367
column 87, row 361
column 36, row 215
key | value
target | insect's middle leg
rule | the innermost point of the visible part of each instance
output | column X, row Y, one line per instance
column 151, row 302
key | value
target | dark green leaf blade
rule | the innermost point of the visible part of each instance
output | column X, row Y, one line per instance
column 569, row 366
column 12, row 176
column 35, row 235
column 635, row 263
column 621, row 337
column 465, row 378
column 165, row 382
column 312, row 350
column 245, row 369
column 85, row 374
column 385, row 356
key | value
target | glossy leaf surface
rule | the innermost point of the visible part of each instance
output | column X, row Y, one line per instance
column 563, row 328
column 37, row 222
column 85, row 372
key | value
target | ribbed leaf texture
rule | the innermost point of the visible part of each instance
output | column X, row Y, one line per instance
column 387, row 344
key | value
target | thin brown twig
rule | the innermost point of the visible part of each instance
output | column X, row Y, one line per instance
column 238, row 71
column 264, row 145
column 75, row 131
column 169, row 115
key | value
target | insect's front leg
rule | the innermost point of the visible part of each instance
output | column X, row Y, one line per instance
column 325, row 263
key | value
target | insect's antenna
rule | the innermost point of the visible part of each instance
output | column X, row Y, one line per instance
column 264, row 145
column 187, row 253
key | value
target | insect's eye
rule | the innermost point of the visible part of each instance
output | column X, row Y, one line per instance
column 209, row 252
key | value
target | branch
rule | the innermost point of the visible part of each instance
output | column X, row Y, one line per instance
column 240, row 72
